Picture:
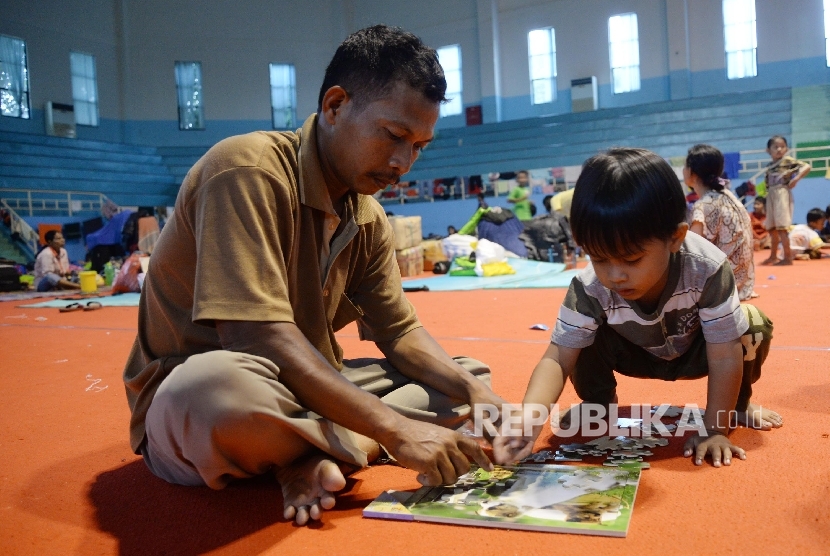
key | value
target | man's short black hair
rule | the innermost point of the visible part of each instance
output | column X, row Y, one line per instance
column 371, row 61
column 50, row 236
column 624, row 198
column 815, row 214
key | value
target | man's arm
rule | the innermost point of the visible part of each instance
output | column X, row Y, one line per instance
column 418, row 356
column 438, row 454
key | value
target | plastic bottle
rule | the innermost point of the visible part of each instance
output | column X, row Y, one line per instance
column 109, row 273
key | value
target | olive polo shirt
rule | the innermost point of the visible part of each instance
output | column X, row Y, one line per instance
column 252, row 238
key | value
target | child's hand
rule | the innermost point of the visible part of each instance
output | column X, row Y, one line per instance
column 508, row 449
column 716, row 445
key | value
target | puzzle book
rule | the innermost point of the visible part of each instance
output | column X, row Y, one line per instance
column 586, row 500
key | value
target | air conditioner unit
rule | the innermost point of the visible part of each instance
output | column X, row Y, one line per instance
column 60, row 119
column 584, row 94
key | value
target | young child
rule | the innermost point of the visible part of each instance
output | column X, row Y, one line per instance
column 757, row 218
column 783, row 174
column 719, row 217
column 654, row 302
column 825, row 230
column 805, row 241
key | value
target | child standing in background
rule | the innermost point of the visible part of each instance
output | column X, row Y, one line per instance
column 719, row 216
column 783, row 174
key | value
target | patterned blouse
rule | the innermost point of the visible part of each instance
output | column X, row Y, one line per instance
column 726, row 224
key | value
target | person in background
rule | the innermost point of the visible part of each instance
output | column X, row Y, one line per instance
column 719, row 216
column 760, row 235
column 451, row 230
column 805, row 241
column 52, row 265
column 519, row 196
column 783, row 174
column 561, row 203
column 825, row 230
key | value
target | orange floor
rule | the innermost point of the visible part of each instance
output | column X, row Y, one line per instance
column 69, row 483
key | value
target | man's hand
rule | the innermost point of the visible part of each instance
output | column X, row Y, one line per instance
column 716, row 445
column 439, row 455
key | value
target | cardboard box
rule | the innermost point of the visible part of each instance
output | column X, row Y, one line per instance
column 407, row 231
column 410, row 260
column 432, row 253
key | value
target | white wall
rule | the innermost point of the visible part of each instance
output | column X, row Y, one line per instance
column 581, row 38
column 136, row 44
column 51, row 29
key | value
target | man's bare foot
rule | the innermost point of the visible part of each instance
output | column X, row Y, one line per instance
column 308, row 487
column 757, row 417
column 769, row 261
column 784, row 262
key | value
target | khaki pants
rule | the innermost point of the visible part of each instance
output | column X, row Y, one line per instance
column 225, row 415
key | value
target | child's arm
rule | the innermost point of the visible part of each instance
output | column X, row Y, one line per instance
column 545, row 387
column 725, row 374
column 806, row 168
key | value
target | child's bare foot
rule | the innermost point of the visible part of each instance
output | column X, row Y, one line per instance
column 771, row 260
column 802, row 257
column 757, row 417
column 308, row 487
column 784, row 262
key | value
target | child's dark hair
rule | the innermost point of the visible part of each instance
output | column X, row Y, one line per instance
column 815, row 214
column 624, row 198
column 706, row 162
column 774, row 137
column 761, row 199
column 371, row 61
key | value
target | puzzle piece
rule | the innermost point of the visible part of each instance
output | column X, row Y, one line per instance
column 671, row 411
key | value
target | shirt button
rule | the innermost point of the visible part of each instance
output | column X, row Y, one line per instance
column 326, row 292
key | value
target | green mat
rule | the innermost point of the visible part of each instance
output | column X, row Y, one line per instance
column 529, row 274
column 120, row 300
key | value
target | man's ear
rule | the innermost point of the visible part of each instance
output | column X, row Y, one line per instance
column 678, row 236
column 333, row 100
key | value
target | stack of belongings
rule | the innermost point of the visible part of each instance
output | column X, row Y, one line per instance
column 548, row 238
column 408, row 249
column 501, row 226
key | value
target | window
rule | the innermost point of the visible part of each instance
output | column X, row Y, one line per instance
column 450, row 59
column 827, row 30
column 14, row 78
column 541, row 49
column 84, row 88
column 283, row 96
column 189, row 87
column 740, row 39
column 624, row 45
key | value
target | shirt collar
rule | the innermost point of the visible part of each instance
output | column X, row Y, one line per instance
column 312, row 186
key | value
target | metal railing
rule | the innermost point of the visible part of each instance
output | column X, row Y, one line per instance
column 756, row 161
column 34, row 202
column 20, row 229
